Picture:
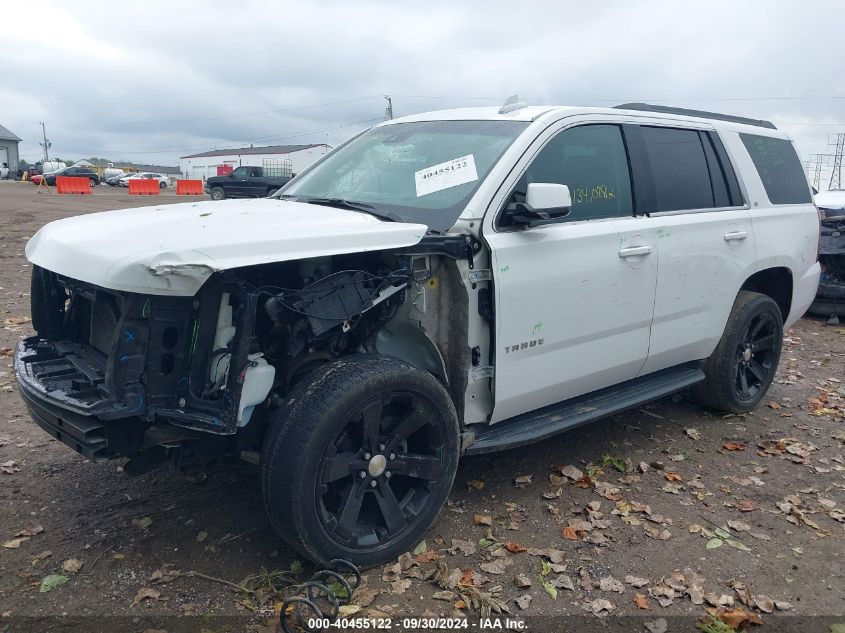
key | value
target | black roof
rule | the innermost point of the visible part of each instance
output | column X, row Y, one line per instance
column 647, row 107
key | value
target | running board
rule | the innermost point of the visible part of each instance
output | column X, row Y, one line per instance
column 542, row 423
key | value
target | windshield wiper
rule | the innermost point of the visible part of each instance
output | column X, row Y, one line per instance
column 352, row 205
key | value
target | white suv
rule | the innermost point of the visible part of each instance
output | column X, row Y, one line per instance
column 449, row 283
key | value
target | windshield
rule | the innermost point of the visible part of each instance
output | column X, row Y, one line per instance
column 422, row 172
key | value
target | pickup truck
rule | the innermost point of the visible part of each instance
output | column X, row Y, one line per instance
column 446, row 284
column 244, row 182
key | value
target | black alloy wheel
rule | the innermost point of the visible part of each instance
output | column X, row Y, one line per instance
column 756, row 357
column 378, row 471
column 359, row 460
column 740, row 370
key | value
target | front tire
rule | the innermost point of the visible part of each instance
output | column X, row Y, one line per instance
column 359, row 460
column 217, row 193
column 743, row 365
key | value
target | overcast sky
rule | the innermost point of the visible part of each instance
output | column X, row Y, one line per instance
column 151, row 81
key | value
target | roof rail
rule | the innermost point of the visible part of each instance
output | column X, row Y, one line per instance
column 647, row 107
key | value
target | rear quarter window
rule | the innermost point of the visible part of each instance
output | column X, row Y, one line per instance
column 779, row 168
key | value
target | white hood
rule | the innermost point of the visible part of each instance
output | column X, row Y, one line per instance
column 173, row 249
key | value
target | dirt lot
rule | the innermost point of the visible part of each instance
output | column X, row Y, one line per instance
column 678, row 510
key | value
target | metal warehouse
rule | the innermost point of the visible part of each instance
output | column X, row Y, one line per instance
column 9, row 149
column 279, row 160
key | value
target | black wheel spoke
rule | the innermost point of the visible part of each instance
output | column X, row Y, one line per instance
column 372, row 415
column 757, row 369
column 762, row 320
column 394, row 518
column 743, row 381
column 406, row 427
column 419, row 467
column 340, row 466
column 763, row 344
column 350, row 510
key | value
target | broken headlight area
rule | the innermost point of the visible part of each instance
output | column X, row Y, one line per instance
column 110, row 371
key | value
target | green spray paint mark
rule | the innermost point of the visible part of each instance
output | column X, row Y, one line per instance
column 504, row 269
column 145, row 311
column 537, row 327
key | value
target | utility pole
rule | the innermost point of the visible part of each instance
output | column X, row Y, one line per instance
column 46, row 144
column 388, row 111
column 838, row 143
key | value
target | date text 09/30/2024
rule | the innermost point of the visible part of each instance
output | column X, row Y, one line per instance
column 416, row 624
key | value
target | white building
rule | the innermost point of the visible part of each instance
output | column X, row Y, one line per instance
column 280, row 160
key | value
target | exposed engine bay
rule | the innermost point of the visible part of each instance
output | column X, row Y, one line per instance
column 149, row 372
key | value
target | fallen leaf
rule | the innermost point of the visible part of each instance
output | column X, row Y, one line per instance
column 735, row 618
column 734, row 446
column 461, row 546
column 522, row 480
column 584, row 482
column 570, row 533
column 143, row 523
column 670, row 476
column 72, row 565
column 523, row 601
column 482, row 519
column 739, row 526
column 345, row 610
column 427, row 557
column 549, row 588
column 746, row 505
column 51, row 582
column 713, row 543
column 570, row 472
column 446, row 595
column 693, row 433
column 202, row 536
column 782, row 605
column 522, row 581
column 600, row 605
column 609, row 583
column 496, row 567
column 515, row 548
column 641, row 601
column 475, row 484
column 39, row 557
column 15, row 543
column 636, row 582
column 31, row 530
column 10, row 467
column 764, row 603
column 146, row 593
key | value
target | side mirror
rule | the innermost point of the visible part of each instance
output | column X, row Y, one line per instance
column 544, row 202
column 552, row 198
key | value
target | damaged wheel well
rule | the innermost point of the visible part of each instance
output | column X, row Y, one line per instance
column 775, row 283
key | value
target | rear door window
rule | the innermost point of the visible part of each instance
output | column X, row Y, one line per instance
column 680, row 170
column 779, row 168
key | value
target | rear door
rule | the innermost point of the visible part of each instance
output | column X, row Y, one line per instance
column 573, row 299
column 693, row 211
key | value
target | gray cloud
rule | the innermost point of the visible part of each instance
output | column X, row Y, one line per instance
column 154, row 81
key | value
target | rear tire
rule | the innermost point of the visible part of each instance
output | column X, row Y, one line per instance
column 217, row 193
column 162, row 185
column 94, row 183
column 359, row 460
column 743, row 365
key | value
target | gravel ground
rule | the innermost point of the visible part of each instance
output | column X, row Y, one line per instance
column 699, row 510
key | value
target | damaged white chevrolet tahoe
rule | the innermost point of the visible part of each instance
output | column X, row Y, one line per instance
column 444, row 284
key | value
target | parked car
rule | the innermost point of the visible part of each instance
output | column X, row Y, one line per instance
column 114, row 181
column 145, row 175
column 4, row 171
column 76, row 172
column 244, row 182
column 830, row 298
column 445, row 284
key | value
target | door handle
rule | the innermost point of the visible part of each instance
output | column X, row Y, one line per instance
column 735, row 235
column 635, row 251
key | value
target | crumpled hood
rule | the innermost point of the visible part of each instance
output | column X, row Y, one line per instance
column 173, row 249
